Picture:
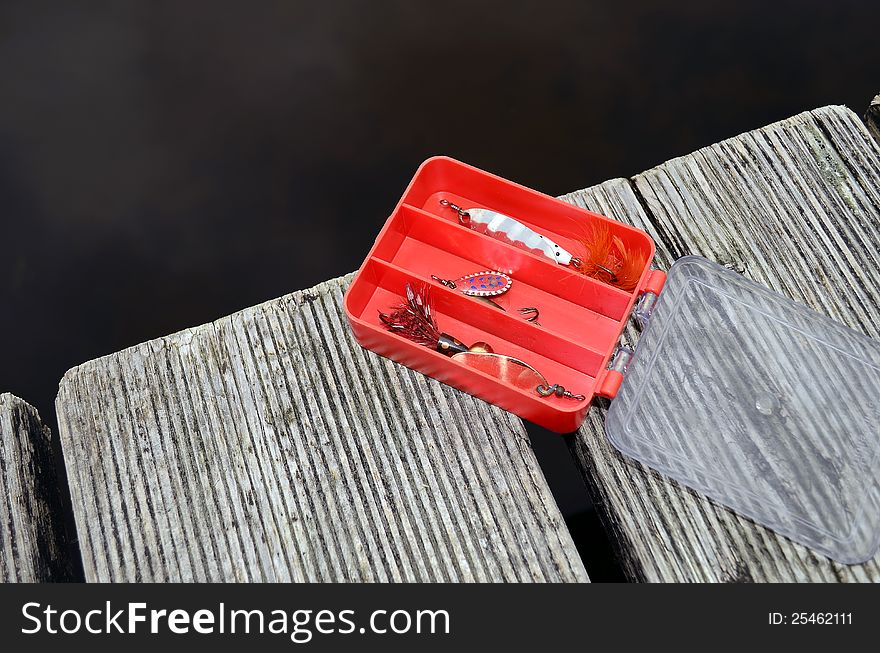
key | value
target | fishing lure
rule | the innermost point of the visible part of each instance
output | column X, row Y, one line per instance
column 479, row 284
column 413, row 318
column 487, row 284
column 511, row 231
column 605, row 258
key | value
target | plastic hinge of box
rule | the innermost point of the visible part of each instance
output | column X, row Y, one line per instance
column 642, row 312
column 646, row 303
column 654, row 282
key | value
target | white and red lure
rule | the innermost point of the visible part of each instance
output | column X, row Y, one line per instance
column 513, row 232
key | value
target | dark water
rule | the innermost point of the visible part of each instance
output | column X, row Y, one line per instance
column 164, row 163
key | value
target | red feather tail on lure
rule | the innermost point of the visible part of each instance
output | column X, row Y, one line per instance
column 413, row 318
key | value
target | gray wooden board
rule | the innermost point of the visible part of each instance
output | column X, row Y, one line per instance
column 33, row 546
column 268, row 446
column 794, row 206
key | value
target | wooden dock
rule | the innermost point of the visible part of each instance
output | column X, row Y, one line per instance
column 33, row 544
column 268, row 446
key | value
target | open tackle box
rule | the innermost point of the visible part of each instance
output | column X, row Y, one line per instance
column 757, row 401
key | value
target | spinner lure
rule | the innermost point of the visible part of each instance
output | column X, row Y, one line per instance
column 479, row 284
column 486, row 285
column 413, row 318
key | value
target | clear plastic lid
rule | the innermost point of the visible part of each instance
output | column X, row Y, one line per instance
column 761, row 404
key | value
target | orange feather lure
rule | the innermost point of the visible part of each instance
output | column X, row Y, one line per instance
column 607, row 258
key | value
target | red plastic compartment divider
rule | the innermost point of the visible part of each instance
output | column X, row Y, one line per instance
column 580, row 318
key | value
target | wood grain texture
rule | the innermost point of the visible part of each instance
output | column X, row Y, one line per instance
column 268, row 446
column 33, row 545
column 872, row 118
column 796, row 207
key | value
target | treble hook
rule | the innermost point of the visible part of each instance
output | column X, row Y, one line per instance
column 611, row 273
column 532, row 312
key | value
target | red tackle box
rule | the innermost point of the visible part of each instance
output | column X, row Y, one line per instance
column 580, row 318
column 727, row 390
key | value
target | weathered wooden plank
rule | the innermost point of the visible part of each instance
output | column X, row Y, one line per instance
column 872, row 118
column 268, row 446
column 794, row 206
column 33, row 544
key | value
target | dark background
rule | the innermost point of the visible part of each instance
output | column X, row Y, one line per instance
column 165, row 163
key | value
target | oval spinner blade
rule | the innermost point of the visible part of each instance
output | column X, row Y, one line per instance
column 506, row 368
column 485, row 284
